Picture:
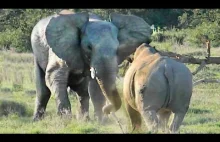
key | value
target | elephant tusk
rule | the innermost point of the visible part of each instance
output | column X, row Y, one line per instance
column 93, row 73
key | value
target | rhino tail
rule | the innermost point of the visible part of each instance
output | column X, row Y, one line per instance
column 170, row 79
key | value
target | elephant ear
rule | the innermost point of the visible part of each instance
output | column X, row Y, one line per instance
column 133, row 31
column 63, row 33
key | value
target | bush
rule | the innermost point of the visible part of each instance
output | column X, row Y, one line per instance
column 202, row 32
column 18, row 25
column 174, row 36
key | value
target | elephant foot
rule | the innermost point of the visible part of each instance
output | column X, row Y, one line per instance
column 39, row 115
column 98, row 118
column 83, row 117
column 37, row 118
column 65, row 113
column 66, row 116
column 105, row 120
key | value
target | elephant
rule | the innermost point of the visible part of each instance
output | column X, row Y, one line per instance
column 58, row 62
column 69, row 47
column 106, row 44
column 154, row 87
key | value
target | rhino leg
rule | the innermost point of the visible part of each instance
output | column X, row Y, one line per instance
column 135, row 117
column 163, row 120
column 151, row 120
column 177, row 120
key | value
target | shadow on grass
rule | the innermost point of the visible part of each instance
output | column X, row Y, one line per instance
column 30, row 92
column 6, row 90
column 198, row 111
column 196, row 53
column 200, row 120
column 196, row 116
column 11, row 107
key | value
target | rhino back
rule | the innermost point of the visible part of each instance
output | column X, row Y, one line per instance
column 182, row 74
column 181, row 85
column 151, row 84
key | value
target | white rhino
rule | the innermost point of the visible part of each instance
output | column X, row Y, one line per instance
column 155, row 86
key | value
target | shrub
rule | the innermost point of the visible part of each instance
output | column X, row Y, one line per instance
column 202, row 32
column 174, row 36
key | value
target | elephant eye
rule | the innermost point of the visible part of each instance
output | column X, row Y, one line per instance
column 90, row 47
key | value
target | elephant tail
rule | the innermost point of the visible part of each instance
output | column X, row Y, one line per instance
column 169, row 74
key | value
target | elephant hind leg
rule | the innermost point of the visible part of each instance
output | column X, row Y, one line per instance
column 42, row 93
column 164, row 116
column 135, row 117
column 83, row 98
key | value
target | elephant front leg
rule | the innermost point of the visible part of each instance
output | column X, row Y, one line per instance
column 56, row 80
column 83, row 98
column 62, row 100
column 97, row 98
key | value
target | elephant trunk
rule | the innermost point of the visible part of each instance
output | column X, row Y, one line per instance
column 105, row 75
column 112, row 96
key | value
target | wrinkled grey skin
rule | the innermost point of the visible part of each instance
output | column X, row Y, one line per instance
column 65, row 48
column 155, row 86
column 59, row 63
column 105, row 45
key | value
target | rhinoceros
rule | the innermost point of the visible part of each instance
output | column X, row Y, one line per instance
column 154, row 87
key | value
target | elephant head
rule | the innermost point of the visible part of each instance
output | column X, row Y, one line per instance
column 106, row 44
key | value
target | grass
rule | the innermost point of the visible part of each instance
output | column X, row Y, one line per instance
column 17, row 98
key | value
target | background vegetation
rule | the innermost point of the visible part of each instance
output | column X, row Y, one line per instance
column 191, row 26
column 182, row 31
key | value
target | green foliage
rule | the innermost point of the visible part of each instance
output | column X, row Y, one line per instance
column 159, row 17
column 193, row 17
column 204, row 31
column 201, row 24
column 173, row 36
column 192, row 25
column 17, row 25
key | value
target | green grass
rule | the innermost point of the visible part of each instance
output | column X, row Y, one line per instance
column 17, row 93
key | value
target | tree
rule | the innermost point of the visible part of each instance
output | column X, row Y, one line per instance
column 17, row 25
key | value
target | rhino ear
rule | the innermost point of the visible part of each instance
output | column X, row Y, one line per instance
column 139, row 50
column 133, row 31
column 63, row 32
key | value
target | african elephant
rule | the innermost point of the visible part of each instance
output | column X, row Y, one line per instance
column 67, row 45
column 105, row 45
column 58, row 61
column 154, row 86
